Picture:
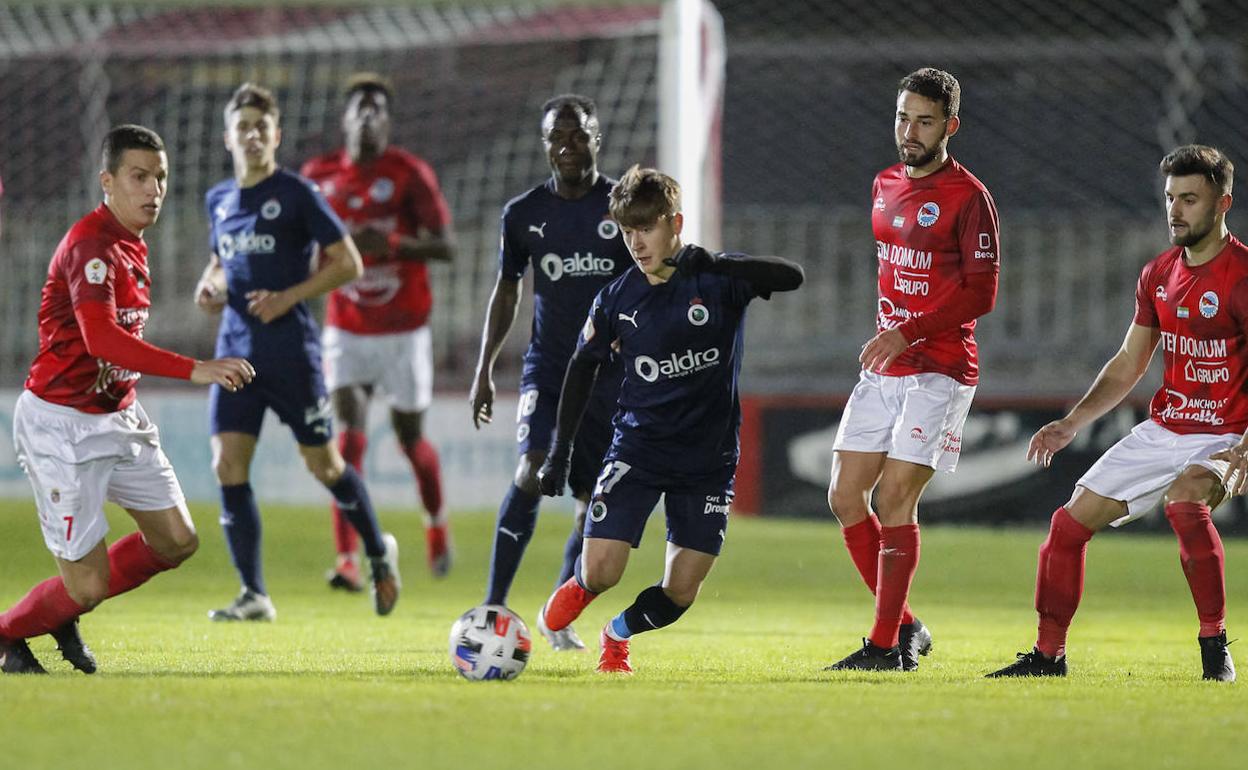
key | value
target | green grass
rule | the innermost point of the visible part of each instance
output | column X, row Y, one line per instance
column 736, row 683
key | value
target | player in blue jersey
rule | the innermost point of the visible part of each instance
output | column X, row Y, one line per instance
column 677, row 323
column 561, row 228
column 266, row 224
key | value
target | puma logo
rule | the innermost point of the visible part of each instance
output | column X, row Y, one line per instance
column 538, row 229
column 513, row 535
column 631, row 319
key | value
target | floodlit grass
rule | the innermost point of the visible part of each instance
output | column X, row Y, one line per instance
column 736, row 683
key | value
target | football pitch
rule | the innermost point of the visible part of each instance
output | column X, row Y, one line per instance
column 736, row 683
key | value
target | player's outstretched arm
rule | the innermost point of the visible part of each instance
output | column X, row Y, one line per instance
column 578, row 384
column 229, row 373
column 425, row 246
column 499, row 317
column 340, row 263
column 210, row 292
column 764, row 274
column 977, row 296
column 1119, row 375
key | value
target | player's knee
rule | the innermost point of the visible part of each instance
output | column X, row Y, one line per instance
column 599, row 577
column 896, row 504
column 88, row 592
column 324, row 469
column 681, row 595
column 228, row 470
column 181, row 547
column 849, row 506
column 526, row 477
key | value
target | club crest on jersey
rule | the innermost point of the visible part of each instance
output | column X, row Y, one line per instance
column 928, row 214
column 522, row 432
column 698, row 314
column 1208, row 304
column 1161, row 293
column 271, row 209
column 96, row 271
column 608, row 229
column 381, row 190
column 598, row 511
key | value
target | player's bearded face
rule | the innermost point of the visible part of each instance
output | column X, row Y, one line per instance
column 136, row 191
column 572, row 140
column 1191, row 209
column 920, row 129
column 252, row 137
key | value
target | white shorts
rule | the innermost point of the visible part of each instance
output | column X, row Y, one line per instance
column 1143, row 464
column 399, row 365
column 76, row 461
column 917, row 418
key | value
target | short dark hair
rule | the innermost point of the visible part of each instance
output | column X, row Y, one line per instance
column 1201, row 160
column 937, row 85
column 368, row 82
column 252, row 95
column 557, row 103
column 127, row 137
column 643, row 196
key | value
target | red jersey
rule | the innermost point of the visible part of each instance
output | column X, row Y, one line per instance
column 1202, row 313
column 396, row 193
column 99, row 270
column 930, row 233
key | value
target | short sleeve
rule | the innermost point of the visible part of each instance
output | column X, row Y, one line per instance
column 325, row 227
column 424, row 197
column 1145, row 310
column 594, row 341
column 513, row 257
column 90, row 273
column 979, row 236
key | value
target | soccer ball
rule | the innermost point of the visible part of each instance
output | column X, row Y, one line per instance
column 490, row 642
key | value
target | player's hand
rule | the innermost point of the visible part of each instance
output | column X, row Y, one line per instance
column 1236, row 477
column 482, row 399
column 229, row 373
column 209, row 298
column 1050, row 440
column 691, row 259
column 882, row 350
column 268, row 305
column 371, row 240
column 552, row 477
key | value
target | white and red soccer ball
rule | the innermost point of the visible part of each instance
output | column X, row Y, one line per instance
column 490, row 642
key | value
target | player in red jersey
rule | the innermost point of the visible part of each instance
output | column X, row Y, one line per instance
column 376, row 334
column 936, row 242
column 1193, row 450
column 80, row 434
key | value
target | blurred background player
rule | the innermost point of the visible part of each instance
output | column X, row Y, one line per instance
column 80, row 433
column 563, row 229
column 376, row 334
column 1193, row 450
column 677, row 322
column 265, row 224
column 936, row 239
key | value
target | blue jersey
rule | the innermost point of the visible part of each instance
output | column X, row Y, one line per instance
column 575, row 249
column 264, row 237
column 681, row 345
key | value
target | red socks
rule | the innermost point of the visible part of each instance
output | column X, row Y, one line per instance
column 428, row 470
column 351, row 443
column 898, row 560
column 131, row 563
column 863, row 542
column 45, row 607
column 566, row 604
column 1059, row 580
column 1202, row 557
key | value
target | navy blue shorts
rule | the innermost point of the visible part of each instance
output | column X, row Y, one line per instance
column 294, row 390
column 535, row 426
column 625, row 497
